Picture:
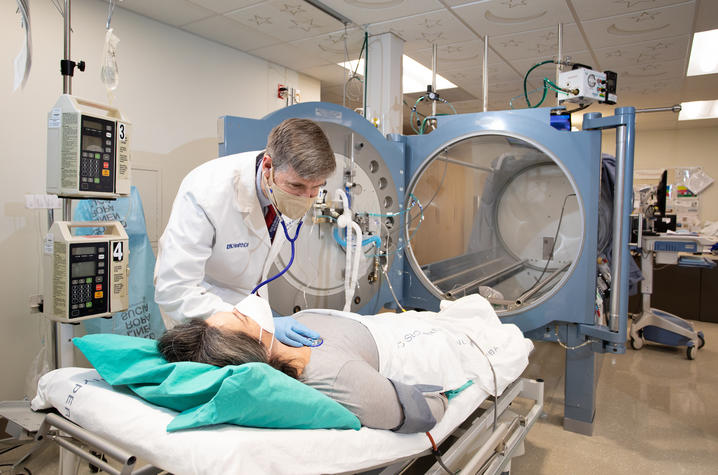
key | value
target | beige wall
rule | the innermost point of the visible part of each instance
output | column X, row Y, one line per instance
column 173, row 86
column 687, row 147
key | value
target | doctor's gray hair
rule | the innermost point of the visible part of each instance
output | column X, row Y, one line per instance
column 200, row 342
column 301, row 145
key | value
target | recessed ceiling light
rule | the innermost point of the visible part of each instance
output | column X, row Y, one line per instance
column 415, row 78
column 703, row 56
column 698, row 110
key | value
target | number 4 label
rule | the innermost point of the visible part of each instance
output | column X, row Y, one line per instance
column 118, row 251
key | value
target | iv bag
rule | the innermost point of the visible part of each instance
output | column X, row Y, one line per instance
column 109, row 74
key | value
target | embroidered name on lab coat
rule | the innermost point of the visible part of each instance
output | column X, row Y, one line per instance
column 233, row 245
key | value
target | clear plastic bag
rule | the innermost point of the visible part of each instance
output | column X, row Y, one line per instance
column 109, row 73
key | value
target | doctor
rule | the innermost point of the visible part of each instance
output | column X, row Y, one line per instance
column 229, row 221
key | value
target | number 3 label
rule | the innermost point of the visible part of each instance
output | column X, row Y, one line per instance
column 122, row 135
column 117, row 251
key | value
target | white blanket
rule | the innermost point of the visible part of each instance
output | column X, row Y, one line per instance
column 139, row 427
column 465, row 340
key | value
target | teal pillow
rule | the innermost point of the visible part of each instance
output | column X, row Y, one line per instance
column 252, row 394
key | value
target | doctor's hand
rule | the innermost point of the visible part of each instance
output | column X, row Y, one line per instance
column 292, row 333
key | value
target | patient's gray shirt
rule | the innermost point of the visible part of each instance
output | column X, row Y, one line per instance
column 345, row 368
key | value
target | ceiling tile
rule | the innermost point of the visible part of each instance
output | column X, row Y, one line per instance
column 231, row 33
column 289, row 20
column 455, row 56
column 591, row 9
column 502, row 17
column 654, row 51
column 331, row 47
column 651, row 71
column 224, row 6
column 642, row 90
column 640, row 26
column 421, row 31
column 549, row 70
column 363, row 12
column 171, row 12
column 538, row 43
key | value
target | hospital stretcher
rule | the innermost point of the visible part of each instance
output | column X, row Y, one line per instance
column 477, row 434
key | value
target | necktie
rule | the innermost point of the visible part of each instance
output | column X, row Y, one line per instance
column 272, row 222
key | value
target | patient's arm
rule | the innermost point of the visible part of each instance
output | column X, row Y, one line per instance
column 382, row 404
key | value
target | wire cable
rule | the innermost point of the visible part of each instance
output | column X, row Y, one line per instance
column 555, row 238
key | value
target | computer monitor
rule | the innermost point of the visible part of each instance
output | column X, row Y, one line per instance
column 661, row 193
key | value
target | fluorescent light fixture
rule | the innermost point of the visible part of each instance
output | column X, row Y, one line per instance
column 415, row 78
column 698, row 110
column 703, row 54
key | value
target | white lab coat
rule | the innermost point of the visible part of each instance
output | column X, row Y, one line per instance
column 216, row 247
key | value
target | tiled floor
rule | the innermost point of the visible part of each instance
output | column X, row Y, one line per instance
column 655, row 415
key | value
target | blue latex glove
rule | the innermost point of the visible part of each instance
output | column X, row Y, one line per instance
column 292, row 333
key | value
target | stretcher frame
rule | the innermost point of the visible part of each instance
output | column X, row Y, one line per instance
column 484, row 443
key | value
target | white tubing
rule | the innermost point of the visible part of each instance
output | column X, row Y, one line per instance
column 345, row 221
column 356, row 244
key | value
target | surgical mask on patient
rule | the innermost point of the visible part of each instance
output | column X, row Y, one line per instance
column 291, row 206
column 258, row 309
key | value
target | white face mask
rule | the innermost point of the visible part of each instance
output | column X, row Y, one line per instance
column 291, row 206
column 258, row 309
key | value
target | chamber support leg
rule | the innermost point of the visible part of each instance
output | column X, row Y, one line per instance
column 580, row 390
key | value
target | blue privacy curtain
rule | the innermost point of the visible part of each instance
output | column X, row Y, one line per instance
column 142, row 318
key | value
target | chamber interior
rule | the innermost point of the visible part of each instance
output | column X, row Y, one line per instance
column 500, row 217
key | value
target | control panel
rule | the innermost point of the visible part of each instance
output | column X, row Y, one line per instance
column 87, row 274
column 88, row 267
column 88, row 150
column 587, row 86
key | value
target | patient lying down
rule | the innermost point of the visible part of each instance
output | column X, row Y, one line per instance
column 350, row 366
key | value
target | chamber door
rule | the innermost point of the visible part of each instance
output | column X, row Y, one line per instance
column 499, row 217
column 316, row 277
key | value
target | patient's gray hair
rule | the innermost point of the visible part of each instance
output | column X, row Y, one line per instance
column 301, row 145
column 200, row 342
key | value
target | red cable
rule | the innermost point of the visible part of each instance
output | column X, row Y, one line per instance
column 431, row 439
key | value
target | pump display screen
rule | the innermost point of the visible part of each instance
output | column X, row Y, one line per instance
column 92, row 143
column 92, row 125
column 83, row 269
column 78, row 251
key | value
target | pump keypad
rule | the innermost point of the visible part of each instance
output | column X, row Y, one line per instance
column 97, row 155
column 87, row 285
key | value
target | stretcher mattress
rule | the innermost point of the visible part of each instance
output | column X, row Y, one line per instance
column 116, row 414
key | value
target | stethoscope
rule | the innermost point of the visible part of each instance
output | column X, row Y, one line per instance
column 320, row 340
column 291, row 260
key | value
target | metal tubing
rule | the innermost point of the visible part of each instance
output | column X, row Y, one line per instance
column 89, row 438
column 464, row 164
column 67, row 80
column 70, row 447
column 532, row 292
column 470, row 269
column 434, row 58
column 625, row 135
column 675, row 108
column 485, row 75
column 560, row 56
column 67, row 209
column 480, row 281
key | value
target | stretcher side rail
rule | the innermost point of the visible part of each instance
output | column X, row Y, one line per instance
column 73, row 438
column 489, row 450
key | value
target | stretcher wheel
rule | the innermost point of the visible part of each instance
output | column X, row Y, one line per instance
column 691, row 352
column 637, row 344
column 702, row 341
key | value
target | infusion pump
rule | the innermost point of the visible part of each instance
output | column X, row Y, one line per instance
column 88, row 150
column 86, row 276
